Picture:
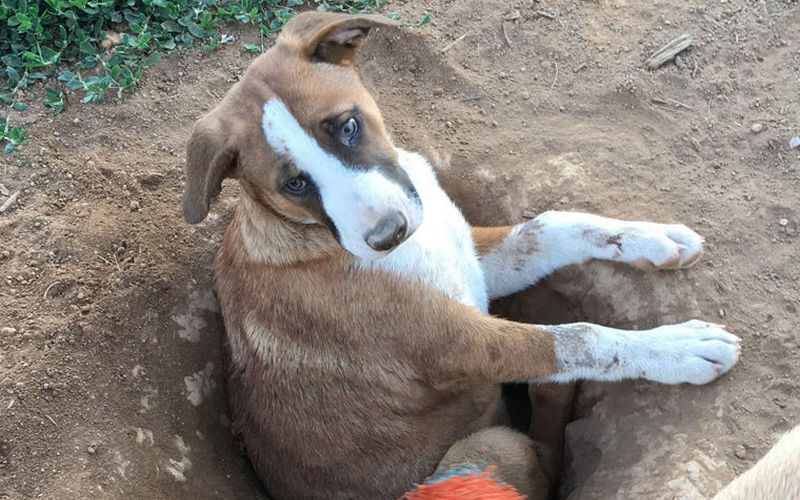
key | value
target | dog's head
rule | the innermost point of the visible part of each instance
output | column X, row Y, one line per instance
column 307, row 142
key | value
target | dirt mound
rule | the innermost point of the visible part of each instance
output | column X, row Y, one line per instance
column 110, row 381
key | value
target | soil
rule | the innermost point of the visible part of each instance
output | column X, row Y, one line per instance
column 110, row 383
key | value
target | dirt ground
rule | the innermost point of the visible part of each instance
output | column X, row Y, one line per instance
column 110, row 383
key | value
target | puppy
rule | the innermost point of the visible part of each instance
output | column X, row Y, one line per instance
column 359, row 352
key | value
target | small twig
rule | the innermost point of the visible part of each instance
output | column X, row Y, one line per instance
column 505, row 35
column 679, row 104
column 116, row 261
column 44, row 297
column 454, row 42
column 694, row 70
column 580, row 68
column 103, row 259
column 7, row 204
column 542, row 13
column 472, row 98
column 715, row 23
column 556, row 77
column 50, row 419
column 669, row 51
column 672, row 102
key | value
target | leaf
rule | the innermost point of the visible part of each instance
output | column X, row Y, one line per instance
column 19, row 106
column 171, row 26
column 195, row 30
column 11, row 60
column 151, row 59
column 13, row 76
column 251, row 47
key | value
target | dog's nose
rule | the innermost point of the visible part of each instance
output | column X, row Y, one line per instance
column 389, row 232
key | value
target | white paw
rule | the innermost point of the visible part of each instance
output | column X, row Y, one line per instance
column 695, row 352
column 647, row 245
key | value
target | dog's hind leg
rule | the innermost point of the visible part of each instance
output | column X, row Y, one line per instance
column 516, row 257
column 517, row 457
column 552, row 405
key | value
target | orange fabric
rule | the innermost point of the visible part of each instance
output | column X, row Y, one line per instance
column 469, row 486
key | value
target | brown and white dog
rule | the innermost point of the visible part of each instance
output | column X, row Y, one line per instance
column 360, row 354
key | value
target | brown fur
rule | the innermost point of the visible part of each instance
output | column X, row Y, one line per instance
column 775, row 476
column 344, row 383
column 487, row 237
column 390, row 373
column 516, row 456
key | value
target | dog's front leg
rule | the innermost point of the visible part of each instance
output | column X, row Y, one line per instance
column 695, row 352
column 516, row 257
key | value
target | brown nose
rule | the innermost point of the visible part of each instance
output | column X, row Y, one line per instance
column 389, row 232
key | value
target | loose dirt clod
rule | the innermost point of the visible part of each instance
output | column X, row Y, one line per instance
column 6, row 206
column 8, row 331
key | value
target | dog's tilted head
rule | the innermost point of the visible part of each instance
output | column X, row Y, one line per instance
column 307, row 141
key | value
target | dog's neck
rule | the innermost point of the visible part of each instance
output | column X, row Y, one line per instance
column 271, row 239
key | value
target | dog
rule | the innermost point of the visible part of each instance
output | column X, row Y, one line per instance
column 775, row 475
column 359, row 352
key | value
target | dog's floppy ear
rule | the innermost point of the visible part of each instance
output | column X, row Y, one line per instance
column 330, row 37
column 210, row 158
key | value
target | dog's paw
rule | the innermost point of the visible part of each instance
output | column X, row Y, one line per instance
column 650, row 246
column 695, row 352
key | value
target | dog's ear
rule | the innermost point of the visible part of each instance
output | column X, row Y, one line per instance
column 210, row 158
column 329, row 37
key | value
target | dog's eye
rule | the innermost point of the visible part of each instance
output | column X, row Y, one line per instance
column 349, row 131
column 296, row 185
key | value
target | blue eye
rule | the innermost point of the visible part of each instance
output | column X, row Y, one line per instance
column 296, row 185
column 349, row 131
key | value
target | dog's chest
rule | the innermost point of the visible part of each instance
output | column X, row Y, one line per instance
column 441, row 253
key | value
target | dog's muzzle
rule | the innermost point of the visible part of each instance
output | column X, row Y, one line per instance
column 390, row 231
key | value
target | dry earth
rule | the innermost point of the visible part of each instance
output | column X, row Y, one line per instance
column 110, row 380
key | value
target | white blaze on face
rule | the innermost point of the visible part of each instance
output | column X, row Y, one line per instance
column 354, row 199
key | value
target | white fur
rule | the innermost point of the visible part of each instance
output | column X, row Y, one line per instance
column 354, row 199
column 441, row 252
column 554, row 240
column 695, row 352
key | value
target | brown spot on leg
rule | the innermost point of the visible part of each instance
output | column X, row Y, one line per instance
column 487, row 238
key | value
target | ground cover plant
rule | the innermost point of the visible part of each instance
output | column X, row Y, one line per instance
column 90, row 48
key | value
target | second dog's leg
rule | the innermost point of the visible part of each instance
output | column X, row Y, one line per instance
column 516, row 257
column 515, row 455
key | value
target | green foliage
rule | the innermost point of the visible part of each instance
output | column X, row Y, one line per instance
column 93, row 47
